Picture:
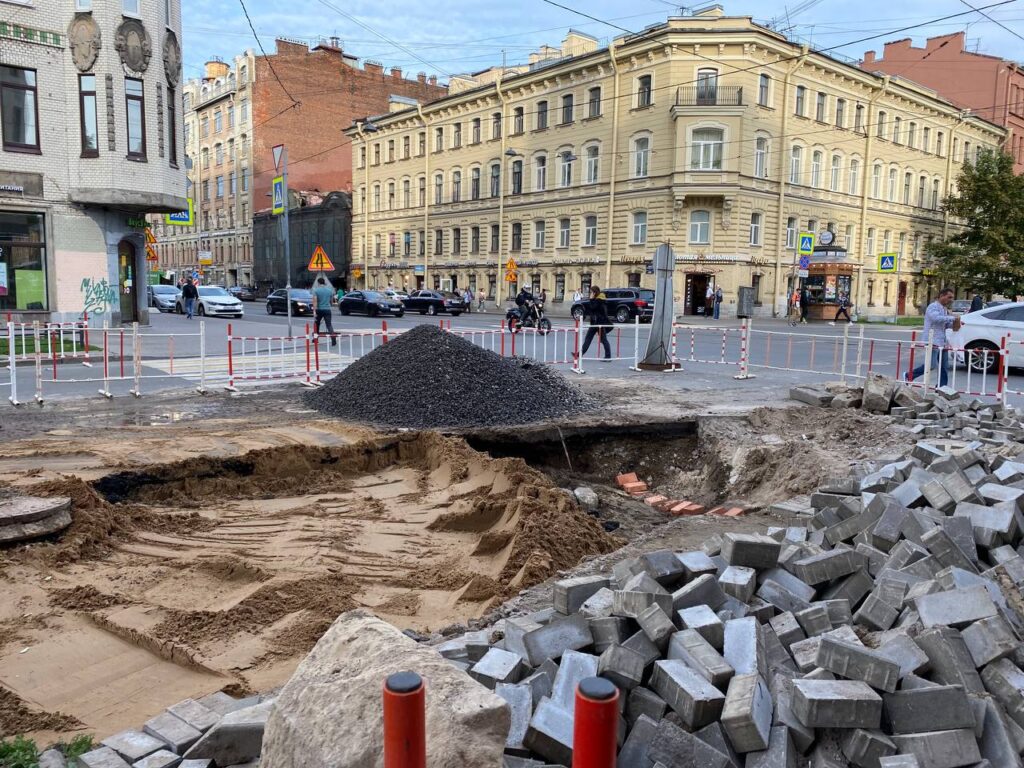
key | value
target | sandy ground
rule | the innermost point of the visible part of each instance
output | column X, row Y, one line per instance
column 215, row 540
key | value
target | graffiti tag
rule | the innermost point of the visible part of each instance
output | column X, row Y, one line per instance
column 98, row 296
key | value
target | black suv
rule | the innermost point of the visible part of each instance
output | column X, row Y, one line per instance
column 624, row 304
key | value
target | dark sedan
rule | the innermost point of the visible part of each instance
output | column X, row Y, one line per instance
column 370, row 303
column 435, row 302
column 242, row 293
column 302, row 302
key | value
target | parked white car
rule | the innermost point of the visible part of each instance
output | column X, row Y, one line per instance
column 983, row 331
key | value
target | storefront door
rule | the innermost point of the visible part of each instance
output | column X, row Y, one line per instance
column 902, row 305
column 696, row 290
column 126, row 282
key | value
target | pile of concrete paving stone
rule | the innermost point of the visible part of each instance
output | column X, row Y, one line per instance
column 216, row 731
column 23, row 518
column 884, row 632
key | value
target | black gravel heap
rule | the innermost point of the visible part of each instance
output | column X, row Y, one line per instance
column 427, row 378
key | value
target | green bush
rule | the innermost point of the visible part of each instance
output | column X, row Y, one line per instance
column 19, row 752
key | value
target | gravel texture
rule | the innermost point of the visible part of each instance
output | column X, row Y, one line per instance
column 427, row 378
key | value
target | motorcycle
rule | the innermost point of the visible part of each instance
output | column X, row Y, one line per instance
column 534, row 318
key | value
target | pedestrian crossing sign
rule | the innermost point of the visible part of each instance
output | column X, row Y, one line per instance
column 320, row 262
column 278, row 195
column 887, row 262
column 806, row 244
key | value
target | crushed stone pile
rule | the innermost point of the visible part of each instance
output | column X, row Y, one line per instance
column 883, row 630
column 427, row 378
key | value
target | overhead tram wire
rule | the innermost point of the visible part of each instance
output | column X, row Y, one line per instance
column 994, row 21
column 270, row 64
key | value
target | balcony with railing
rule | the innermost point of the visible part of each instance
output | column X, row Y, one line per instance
column 709, row 96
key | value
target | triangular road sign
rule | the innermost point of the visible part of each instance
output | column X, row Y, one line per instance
column 320, row 262
column 510, row 265
column 278, row 152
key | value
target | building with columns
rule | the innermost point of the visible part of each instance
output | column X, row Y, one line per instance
column 712, row 133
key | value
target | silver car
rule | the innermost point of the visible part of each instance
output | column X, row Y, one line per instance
column 162, row 297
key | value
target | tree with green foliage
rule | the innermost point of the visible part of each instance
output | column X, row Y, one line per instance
column 986, row 252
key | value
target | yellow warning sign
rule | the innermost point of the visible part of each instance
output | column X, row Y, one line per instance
column 511, row 277
column 320, row 262
column 150, row 237
column 357, row 273
column 510, row 265
column 151, row 254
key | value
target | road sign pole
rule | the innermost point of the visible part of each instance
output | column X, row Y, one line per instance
column 281, row 166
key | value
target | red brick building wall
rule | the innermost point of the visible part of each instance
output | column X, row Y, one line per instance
column 991, row 87
column 332, row 92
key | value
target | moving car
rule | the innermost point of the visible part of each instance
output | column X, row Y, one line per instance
column 624, row 305
column 391, row 293
column 370, row 303
column 162, row 297
column 214, row 301
column 960, row 306
column 302, row 302
column 242, row 293
column 983, row 331
column 433, row 302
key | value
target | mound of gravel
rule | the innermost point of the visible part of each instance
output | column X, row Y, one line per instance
column 428, row 378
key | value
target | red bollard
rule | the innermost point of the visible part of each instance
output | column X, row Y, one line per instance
column 596, row 726
column 405, row 729
column 384, row 330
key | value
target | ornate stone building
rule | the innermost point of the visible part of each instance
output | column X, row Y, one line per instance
column 90, row 142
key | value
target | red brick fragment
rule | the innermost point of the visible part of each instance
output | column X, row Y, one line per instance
column 626, row 479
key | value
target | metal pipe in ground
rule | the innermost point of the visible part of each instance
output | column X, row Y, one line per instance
column 405, row 729
column 595, row 724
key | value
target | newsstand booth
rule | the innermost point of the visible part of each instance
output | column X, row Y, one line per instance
column 829, row 275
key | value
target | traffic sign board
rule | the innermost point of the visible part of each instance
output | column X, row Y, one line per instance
column 151, row 254
column 278, row 150
column 511, row 277
column 510, row 265
column 319, row 262
column 278, row 189
column 357, row 273
column 806, row 245
column 887, row 262
column 802, row 273
column 805, row 263
column 182, row 218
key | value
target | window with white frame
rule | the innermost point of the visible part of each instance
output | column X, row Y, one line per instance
column 801, row 101
column 886, row 241
column 564, row 230
column 644, row 90
column 590, row 231
column 848, row 242
column 791, row 232
column 908, row 182
column 700, row 227
column 796, row 159
column 854, row 178
column 438, row 188
column 935, row 194
column 912, row 135
column 926, row 139
column 83, row 5
column 892, row 185
column 897, row 130
column 755, row 228
column 882, row 124
column 456, row 186
column 840, row 113
column 764, row 83
column 565, row 168
column 639, row 227
column 761, row 158
column 816, row 169
column 130, row 6
column 835, row 174
column 707, row 149
column 540, row 165
column 871, row 241
column 821, row 107
column 641, row 156
column 876, row 181
column 539, row 234
column 593, row 165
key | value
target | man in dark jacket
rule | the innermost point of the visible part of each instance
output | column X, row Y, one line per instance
column 597, row 309
column 189, row 293
column 977, row 303
column 805, row 304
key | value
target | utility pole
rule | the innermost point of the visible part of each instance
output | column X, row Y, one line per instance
column 279, row 196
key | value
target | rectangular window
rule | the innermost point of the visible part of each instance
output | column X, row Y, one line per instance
column 218, row 121
column 641, row 157
column 821, row 107
column 590, row 231
column 476, row 130
column 541, row 173
column 563, row 232
column 755, row 229
column 518, row 121
column 871, row 241
column 795, row 161
column 83, row 5
column 801, row 99
column 593, row 164
column 438, row 242
column 23, row 261
column 639, row 228
column 422, row 143
column 763, row 86
column 231, row 117
column 858, row 119
column 130, row 6
column 594, row 102
column 840, row 113
column 542, row 115
column 220, row 186
column 939, row 148
column 391, row 150
column 245, row 180
column 517, row 236
column 219, row 153
column 567, row 106
column 474, row 240
column 926, row 139
column 539, row 235
column 243, row 111
column 232, row 184
column 834, row 178
column 87, row 107
column 707, row 149
column 423, row 192
column 20, row 109
column 439, row 139
column 644, row 91
column 457, row 241
column 172, row 129
column 791, row 232
column 495, row 180
column 495, row 238
column 565, row 179
column 206, row 189
column 761, row 158
column 135, row 108
column 849, row 237
column 457, row 135
column 474, row 184
column 700, row 227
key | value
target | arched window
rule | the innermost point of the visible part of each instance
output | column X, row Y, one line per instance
column 593, row 164
column 456, row 186
column 908, row 181
column 796, row 159
column 892, row 185
column 816, row 169
column 565, row 160
column 761, row 158
column 835, row 173
column 876, row 181
column 438, row 188
column 700, row 227
column 495, row 180
column 517, row 177
column 540, row 165
column 518, row 125
column 641, row 156
column 707, row 149
column 854, row 179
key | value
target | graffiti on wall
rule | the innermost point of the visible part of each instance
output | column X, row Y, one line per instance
column 98, row 296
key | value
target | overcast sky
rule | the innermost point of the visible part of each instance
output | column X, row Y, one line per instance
column 451, row 36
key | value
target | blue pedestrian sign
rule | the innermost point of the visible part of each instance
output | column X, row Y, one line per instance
column 887, row 262
column 184, row 218
column 806, row 244
column 278, row 190
column 805, row 262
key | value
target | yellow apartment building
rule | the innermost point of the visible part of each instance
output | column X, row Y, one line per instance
column 712, row 133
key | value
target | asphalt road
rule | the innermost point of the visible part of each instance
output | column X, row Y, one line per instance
column 709, row 352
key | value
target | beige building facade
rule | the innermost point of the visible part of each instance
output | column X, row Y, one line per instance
column 218, row 129
column 711, row 133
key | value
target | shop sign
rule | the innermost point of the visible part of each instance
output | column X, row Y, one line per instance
column 28, row 184
column 136, row 222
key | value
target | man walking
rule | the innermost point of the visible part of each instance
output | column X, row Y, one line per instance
column 718, row 302
column 844, row 305
column 805, row 304
column 937, row 320
column 189, row 293
column 322, row 295
column 597, row 309
column 468, row 298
